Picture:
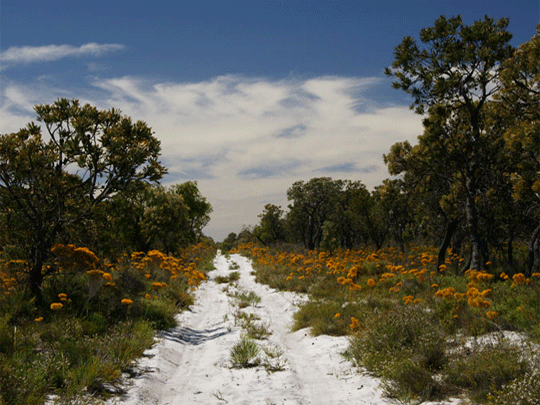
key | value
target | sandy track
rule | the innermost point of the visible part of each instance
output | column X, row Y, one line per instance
column 190, row 364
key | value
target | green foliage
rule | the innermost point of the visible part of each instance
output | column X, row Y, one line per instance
column 245, row 353
column 246, row 298
column 231, row 278
column 50, row 184
column 327, row 317
column 485, row 368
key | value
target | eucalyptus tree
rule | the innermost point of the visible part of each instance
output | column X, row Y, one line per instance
column 198, row 208
column 53, row 175
column 272, row 227
column 519, row 101
column 452, row 78
column 312, row 205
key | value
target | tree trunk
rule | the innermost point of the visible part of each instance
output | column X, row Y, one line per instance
column 478, row 256
column 450, row 229
column 534, row 253
column 36, row 280
column 510, row 252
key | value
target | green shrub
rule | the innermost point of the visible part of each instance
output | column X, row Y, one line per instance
column 408, row 380
column 400, row 344
column 245, row 353
column 160, row 313
column 523, row 391
column 326, row 317
column 485, row 367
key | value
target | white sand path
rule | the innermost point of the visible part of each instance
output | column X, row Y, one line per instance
column 190, row 364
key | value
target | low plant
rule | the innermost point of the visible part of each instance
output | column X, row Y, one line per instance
column 245, row 353
column 246, row 298
column 485, row 367
column 327, row 317
column 231, row 278
column 272, row 358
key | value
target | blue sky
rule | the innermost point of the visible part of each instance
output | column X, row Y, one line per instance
column 246, row 96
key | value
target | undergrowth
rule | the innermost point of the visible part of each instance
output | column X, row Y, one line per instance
column 95, row 319
column 428, row 333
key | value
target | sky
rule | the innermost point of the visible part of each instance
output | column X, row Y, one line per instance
column 246, row 96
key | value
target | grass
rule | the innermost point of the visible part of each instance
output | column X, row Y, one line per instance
column 245, row 353
column 246, row 298
column 230, row 279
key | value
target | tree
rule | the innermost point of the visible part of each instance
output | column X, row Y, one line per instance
column 165, row 222
column 452, row 79
column 199, row 209
column 519, row 101
column 312, row 205
column 271, row 228
column 48, row 186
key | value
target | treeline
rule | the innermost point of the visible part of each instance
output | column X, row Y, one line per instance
column 472, row 181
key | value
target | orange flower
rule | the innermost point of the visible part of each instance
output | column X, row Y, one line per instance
column 355, row 323
column 337, row 315
column 56, row 306
column 39, row 319
column 371, row 282
column 126, row 301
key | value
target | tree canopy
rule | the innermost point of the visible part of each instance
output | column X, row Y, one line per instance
column 55, row 172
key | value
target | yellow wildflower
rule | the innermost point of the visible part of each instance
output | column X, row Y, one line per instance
column 38, row 319
column 126, row 301
column 337, row 315
column 355, row 323
column 56, row 306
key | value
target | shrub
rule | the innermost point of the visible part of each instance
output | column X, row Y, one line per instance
column 400, row 344
column 485, row 367
column 245, row 353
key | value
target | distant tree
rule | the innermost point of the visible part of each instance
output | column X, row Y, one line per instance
column 312, row 205
column 165, row 224
column 229, row 242
column 49, row 185
column 271, row 228
column 151, row 216
column 199, row 209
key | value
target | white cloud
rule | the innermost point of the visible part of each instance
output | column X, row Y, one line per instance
column 246, row 140
column 47, row 53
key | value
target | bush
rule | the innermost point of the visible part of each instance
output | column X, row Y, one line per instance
column 406, row 347
column 245, row 353
column 485, row 367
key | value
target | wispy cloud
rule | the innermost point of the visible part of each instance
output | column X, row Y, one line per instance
column 48, row 53
column 247, row 139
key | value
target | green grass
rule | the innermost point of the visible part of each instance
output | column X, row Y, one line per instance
column 245, row 353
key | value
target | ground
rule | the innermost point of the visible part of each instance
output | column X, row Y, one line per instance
column 191, row 363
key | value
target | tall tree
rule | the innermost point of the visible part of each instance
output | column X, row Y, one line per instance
column 271, row 228
column 312, row 205
column 199, row 209
column 49, row 184
column 519, row 101
column 452, row 78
